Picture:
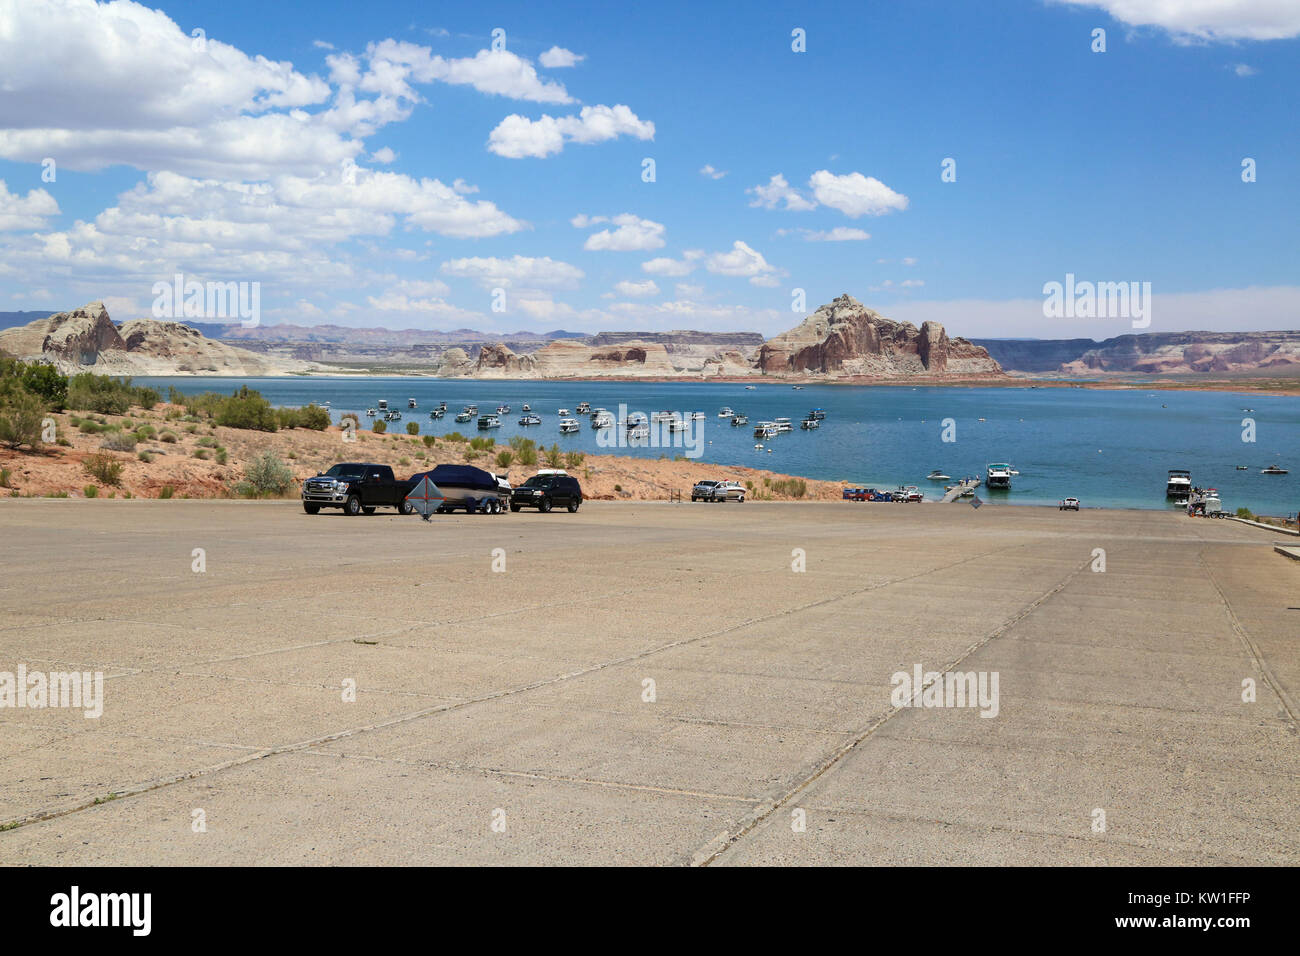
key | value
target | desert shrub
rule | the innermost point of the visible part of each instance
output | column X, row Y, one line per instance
column 554, row 456
column 412, row 428
column 403, row 461
column 90, row 491
column 145, row 457
column 481, row 443
column 166, row 491
column 429, row 441
column 191, row 429
column 309, row 416
column 201, row 454
column 573, row 459
column 292, row 454
column 105, row 469
column 504, row 458
column 21, row 415
column 527, row 455
column 470, row 454
column 42, row 380
column 107, row 395
column 168, row 438
column 1245, row 513
column 618, row 488
column 790, row 487
column 119, row 441
column 145, row 432
column 454, row 436
column 207, row 441
column 379, row 427
column 221, row 456
column 265, row 476
column 5, row 475
column 247, row 409
column 88, row 427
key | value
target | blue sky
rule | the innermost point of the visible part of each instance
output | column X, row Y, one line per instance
column 384, row 165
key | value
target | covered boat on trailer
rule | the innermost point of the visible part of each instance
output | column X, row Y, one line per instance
column 467, row 487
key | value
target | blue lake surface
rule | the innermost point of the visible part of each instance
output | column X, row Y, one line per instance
column 1109, row 448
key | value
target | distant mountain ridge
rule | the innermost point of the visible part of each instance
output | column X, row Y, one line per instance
column 1153, row 353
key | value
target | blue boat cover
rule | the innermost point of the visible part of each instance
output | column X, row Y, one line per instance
column 460, row 476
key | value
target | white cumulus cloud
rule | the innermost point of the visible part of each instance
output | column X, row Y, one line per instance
column 557, row 57
column 631, row 233
column 518, row 136
column 1221, row 20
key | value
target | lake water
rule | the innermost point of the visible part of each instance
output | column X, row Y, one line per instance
column 1107, row 448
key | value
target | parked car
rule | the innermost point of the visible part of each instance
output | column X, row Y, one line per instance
column 357, row 488
column 545, row 491
column 1069, row 504
column 718, row 491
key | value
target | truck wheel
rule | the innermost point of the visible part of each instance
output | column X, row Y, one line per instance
column 368, row 511
column 310, row 508
column 573, row 505
column 544, row 506
column 352, row 507
column 515, row 508
column 407, row 507
column 694, row 498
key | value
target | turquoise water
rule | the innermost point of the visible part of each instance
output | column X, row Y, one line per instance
column 1107, row 448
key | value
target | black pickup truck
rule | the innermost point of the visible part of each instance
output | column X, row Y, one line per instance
column 357, row 488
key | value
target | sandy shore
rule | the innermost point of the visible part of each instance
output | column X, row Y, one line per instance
column 61, row 470
column 647, row 683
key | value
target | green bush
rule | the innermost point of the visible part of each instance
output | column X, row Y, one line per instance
column 554, row 456
column 574, row 459
column 88, row 427
column 4, row 478
column 104, row 468
column 221, row 456
column 21, row 416
column 309, row 416
column 429, row 441
column 44, row 381
column 482, row 443
column 207, row 441
column 790, row 487
column 379, row 427
column 266, row 476
column 1245, row 513
column 145, row 457
column 454, row 436
column 504, row 458
column 168, row 438
column 527, row 455
column 90, row 491
column 247, row 409
column 145, row 432
column 107, row 395
column 404, row 461
column 166, row 491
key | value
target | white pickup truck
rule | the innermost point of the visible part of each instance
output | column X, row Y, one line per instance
column 718, row 491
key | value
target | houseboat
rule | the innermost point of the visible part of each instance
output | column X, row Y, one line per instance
column 997, row 475
column 1179, row 483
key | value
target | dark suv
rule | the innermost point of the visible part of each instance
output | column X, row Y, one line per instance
column 545, row 492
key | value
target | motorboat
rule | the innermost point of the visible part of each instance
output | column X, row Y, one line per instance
column 1273, row 470
column 472, row 408
column 766, row 430
column 739, row 419
column 531, row 419
column 584, row 408
column 1243, row 467
column 636, row 420
column 725, row 412
column 697, row 416
column 568, row 426
column 465, row 416
column 997, row 475
column 783, row 424
column 750, row 388
column 436, row 413
column 637, row 431
column 1179, row 483
column 503, row 409
column 677, row 425
column 810, row 423
column 797, row 388
column 818, row 414
column 410, row 403
column 488, row 421
column 527, row 407
column 442, row 406
column 370, row 413
column 602, row 419
column 937, row 475
column 383, row 404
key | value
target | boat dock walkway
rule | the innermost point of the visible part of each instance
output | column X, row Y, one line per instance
column 961, row 488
